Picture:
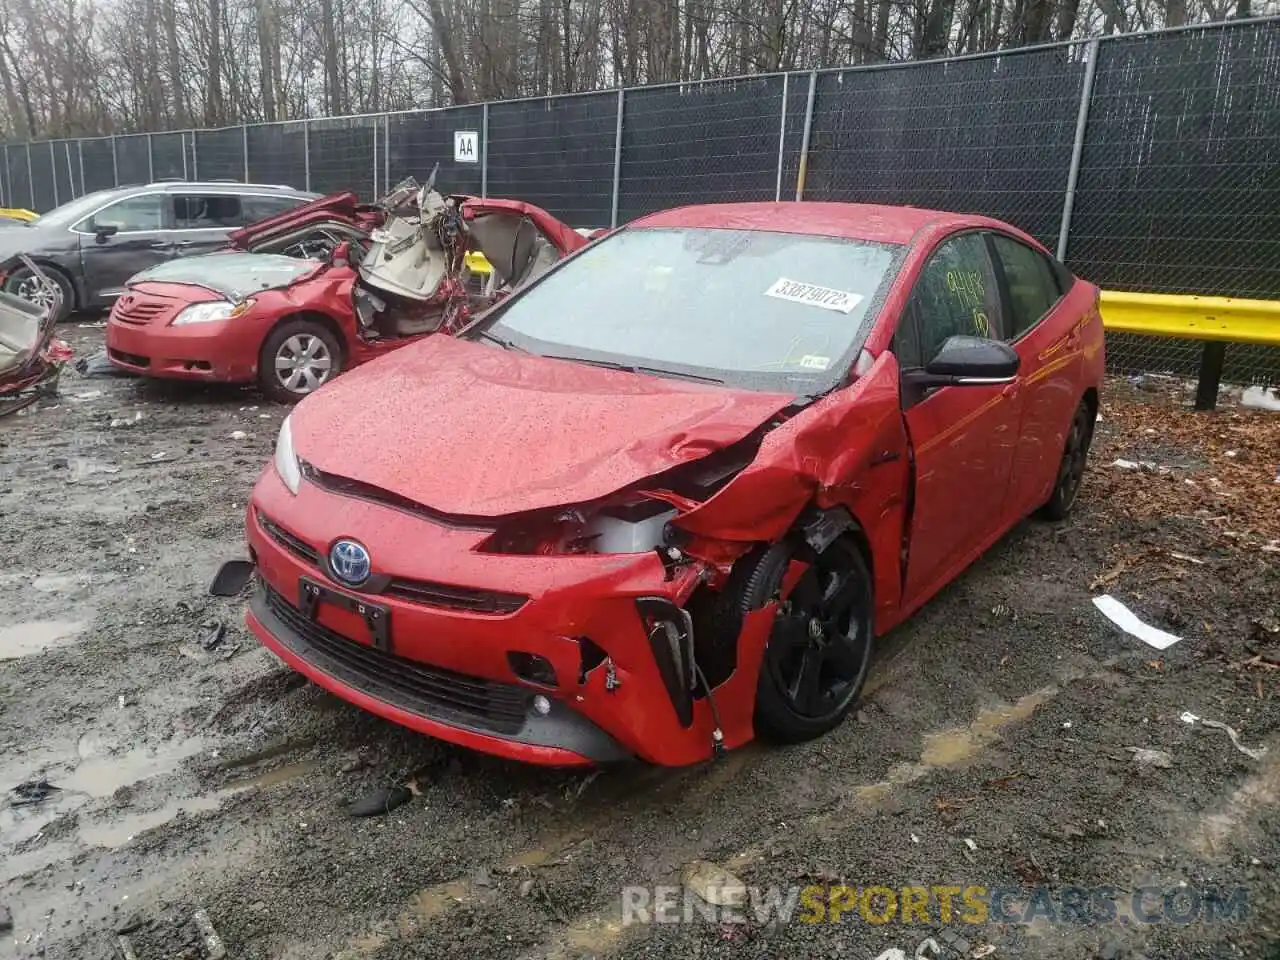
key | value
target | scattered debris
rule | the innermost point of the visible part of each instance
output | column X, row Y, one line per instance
column 98, row 365
column 80, row 468
column 1261, row 398
column 85, row 397
column 383, row 800
column 239, row 435
column 526, row 887
column 1151, row 758
column 6, row 919
column 212, row 632
column 483, row 877
column 32, row 792
column 1126, row 620
column 1187, row 559
column 213, row 944
column 713, row 884
column 126, row 422
column 126, row 948
column 1258, row 754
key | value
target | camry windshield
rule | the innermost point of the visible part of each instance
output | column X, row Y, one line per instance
column 768, row 311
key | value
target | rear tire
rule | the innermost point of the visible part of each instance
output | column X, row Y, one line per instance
column 1075, row 456
column 819, row 650
column 298, row 357
column 23, row 283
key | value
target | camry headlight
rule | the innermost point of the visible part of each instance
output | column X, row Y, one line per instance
column 215, row 310
column 286, row 463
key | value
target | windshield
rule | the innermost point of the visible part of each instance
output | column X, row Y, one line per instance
column 768, row 311
column 72, row 212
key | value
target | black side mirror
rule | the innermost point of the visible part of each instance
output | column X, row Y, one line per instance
column 101, row 233
column 968, row 361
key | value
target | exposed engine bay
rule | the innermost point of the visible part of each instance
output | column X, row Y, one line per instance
column 414, row 274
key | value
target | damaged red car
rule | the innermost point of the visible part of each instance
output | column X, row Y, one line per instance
column 663, row 499
column 327, row 286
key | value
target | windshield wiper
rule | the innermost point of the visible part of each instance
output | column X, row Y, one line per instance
column 636, row 368
column 504, row 344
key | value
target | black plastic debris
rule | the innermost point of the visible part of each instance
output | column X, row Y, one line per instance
column 212, row 632
column 6, row 919
column 231, row 578
column 382, row 800
column 32, row 792
column 98, row 365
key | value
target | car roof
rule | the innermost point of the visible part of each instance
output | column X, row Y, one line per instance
column 214, row 186
column 881, row 223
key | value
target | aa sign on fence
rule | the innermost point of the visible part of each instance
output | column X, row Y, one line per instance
column 466, row 146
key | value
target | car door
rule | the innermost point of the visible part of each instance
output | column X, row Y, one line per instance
column 963, row 437
column 1042, row 329
column 202, row 221
column 122, row 239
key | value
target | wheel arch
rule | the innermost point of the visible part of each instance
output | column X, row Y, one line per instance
column 313, row 316
column 73, row 284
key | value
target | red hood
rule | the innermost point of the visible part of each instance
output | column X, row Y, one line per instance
column 475, row 430
column 344, row 207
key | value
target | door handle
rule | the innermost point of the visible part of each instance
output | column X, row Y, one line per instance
column 184, row 243
column 157, row 244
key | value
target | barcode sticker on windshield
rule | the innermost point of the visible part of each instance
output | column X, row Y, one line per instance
column 841, row 301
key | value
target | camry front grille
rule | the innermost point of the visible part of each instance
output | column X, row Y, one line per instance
column 137, row 309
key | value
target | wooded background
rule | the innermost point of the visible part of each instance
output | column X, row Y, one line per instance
column 74, row 68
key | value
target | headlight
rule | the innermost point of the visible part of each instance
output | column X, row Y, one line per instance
column 286, row 463
column 215, row 310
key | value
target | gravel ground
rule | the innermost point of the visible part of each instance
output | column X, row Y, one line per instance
column 994, row 746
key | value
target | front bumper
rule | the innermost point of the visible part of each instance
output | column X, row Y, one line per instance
column 446, row 669
column 221, row 351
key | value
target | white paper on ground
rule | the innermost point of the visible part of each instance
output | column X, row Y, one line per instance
column 1126, row 620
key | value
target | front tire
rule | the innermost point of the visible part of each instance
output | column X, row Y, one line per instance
column 819, row 651
column 25, row 284
column 1075, row 455
column 298, row 357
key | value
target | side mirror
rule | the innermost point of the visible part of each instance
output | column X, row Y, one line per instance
column 101, row 233
column 968, row 361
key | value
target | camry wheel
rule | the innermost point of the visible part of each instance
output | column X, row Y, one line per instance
column 25, row 284
column 1075, row 456
column 298, row 358
column 819, row 651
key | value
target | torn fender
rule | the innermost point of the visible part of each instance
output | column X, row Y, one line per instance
column 848, row 449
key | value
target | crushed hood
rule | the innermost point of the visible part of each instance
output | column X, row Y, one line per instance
column 474, row 430
column 233, row 275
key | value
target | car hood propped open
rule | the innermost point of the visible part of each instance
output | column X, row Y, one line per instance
column 477, row 431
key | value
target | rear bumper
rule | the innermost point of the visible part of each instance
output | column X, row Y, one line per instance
column 438, row 703
column 220, row 351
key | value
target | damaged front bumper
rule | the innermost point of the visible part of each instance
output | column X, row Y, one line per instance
column 548, row 660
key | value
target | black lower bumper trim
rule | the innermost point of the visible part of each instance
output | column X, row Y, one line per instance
column 469, row 703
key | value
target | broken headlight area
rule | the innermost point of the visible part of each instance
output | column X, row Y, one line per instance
column 627, row 524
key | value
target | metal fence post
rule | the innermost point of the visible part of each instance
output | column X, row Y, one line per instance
column 375, row 161
column 1077, row 148
column 151, row 160
column 53, row 172
column 31, row 180
column 115, row 162
column 782, row 137
column 4, row 186
column 71, row 176
column 306, row 154
column 80, row 150
column 244, row 146
column 195, row 157
column 484, row 149
column 617, row 159
column 804, row 140
column 386, row 153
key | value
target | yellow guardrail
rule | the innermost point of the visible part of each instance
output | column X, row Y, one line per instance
column 1227, row 319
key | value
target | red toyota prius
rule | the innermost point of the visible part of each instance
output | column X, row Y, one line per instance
column 663, row 499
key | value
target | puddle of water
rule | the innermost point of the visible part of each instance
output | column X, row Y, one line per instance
column 272, row 777
column 116, row 833
column 24, row 639
column 948, row 747
column 101, row 774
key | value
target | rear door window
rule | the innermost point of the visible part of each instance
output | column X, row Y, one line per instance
column 217, row 211
column 1031, row 281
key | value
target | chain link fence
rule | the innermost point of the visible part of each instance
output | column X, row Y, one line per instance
column 1150, row 162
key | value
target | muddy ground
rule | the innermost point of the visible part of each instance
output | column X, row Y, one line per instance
column 993, row 747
